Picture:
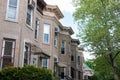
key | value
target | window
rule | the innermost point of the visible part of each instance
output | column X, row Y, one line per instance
column 63, row 47
column 35, row 62
column 27, row 54
column 55, row 64
column 79, row 60
column 69, row 71
column 44, row 62
column 29, row 16
column 8, row 53
column 37, row 28
column 46, row 33
column 72, row 72
column 72, row 56
column 55, row 41
column 62, row 75
column 56, row 30
column 12, row 10
column 79, row 75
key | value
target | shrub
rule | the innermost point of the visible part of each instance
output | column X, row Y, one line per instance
column 25, row 73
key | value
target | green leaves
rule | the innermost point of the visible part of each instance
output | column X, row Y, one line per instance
column 100, row 28
column 25, row 73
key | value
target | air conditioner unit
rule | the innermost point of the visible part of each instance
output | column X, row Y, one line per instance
column 56, row 60
column 56, row 30
column 31, row 3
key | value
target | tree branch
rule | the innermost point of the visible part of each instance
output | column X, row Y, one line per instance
column 116, row 54
column 106, row 59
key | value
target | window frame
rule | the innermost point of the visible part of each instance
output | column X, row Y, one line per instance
column 12, row 53
column 32, row 10
column 17, row 12
column 29, row 54
column 63, row 47
column 78, row 60
column 72, row 55
column 47, row 60
column 37, row 27
column 46, row 33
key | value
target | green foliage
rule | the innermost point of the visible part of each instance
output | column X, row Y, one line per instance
column 90, row 63
column 25, row 73
column 100, row 24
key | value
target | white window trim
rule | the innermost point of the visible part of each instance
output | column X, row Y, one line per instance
column 17, row 12
column 3, row 49
column 48, row 34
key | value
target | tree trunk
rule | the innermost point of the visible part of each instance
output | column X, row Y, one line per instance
column 115, row 70
column 114, row 66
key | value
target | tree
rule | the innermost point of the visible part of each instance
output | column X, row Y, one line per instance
column 101, row 29
column 90, row 63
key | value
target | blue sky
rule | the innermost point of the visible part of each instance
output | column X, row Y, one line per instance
column 67, row 9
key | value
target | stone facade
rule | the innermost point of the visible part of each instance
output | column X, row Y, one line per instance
column 24, row 40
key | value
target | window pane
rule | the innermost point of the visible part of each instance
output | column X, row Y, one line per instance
column 12, row 12
column 36, row 28
column 63, row 47
column 8, row 48
column 27, row 54
column 44, row 62
column 46, row 38
column 46, row 28
column 13, row 2
column 29, row 16
column 7, row 61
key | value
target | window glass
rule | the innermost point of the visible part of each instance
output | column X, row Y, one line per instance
column 79, row 60
column 63, row 45
column 12, row 9
column 12, row 13
column 8, row 48
column 7, row 53
column 13, row 2
column 27, row 54
column 44, row 62
column 37, row 28
column 29, row 16
column 46, row 28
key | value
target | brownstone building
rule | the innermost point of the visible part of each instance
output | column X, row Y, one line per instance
column 31, row 34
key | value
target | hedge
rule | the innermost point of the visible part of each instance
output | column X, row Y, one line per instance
column 25, row 73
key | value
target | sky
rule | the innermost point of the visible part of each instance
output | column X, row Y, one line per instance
column 68, row 9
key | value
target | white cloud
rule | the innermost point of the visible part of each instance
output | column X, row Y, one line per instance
column 64, row 5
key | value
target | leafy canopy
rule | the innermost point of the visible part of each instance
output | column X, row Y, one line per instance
column 102, row 24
